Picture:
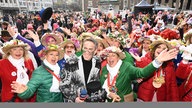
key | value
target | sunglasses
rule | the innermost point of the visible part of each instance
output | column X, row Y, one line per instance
column 69, row 47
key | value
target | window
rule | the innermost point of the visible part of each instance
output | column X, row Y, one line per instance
column 1, row 1
column 6, row 1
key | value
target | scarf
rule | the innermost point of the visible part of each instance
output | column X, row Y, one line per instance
column 22, row 76
column 113, row 71
column 66, row 56
column 56, row 69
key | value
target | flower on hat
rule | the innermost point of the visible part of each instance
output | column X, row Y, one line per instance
column 51, row 47
column 13, row 42
column 76, row 42
column 187, row 52
column 119, row 37
column 112, row 49
column 176, row 43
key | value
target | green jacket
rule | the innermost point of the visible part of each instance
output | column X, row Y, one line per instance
column 127, row 73
column 41, row 83
column 129, row 58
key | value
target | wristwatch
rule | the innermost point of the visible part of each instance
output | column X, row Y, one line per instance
column 158, row 62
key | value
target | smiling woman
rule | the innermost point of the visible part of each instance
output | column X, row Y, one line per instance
column 117, row 75
column 45, row 79
column 20, row 69
column 162, row 85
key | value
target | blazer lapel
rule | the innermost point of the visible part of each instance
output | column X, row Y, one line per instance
column 81, row 70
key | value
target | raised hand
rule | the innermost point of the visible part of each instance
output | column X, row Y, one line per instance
column 135, row 56
column 17, row 87
column 78, row 100
column 115, row 97
column 11, row 30
column 33, row 35
column 167, row 55
column 66, row 30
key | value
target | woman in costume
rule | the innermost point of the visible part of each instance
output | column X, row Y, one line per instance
column 15, row 66
column 117, row 75
column 45, row 79
column 162, row 84
column 184, row 71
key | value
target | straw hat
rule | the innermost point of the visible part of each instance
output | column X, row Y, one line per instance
column 100, row 40
column 11, row 44
column 188, row 35
column 51, row 47
column 46, row 35
column 113, row 49
column 158, row 42
column 86, row 35
column 68, row 41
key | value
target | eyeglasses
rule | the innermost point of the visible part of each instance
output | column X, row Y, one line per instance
column 69, row 47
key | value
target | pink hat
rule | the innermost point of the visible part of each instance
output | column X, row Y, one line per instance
column 29, row 26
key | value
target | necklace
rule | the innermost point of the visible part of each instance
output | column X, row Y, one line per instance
column 112, row 87
column 158, row 80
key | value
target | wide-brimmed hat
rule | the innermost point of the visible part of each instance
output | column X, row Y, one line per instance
column 188, row 35
column 13, row 43
column 46, row 14
column 119, row 37
column 51, row 47
column 141, row 39
column 46, row 35
column 158, row 42
column 86, row 35
column 112, row 49
column 68, row 41
column 103, row 41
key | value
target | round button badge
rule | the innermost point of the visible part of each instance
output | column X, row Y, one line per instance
column 13, row 73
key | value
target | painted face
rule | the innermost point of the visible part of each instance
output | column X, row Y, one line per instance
column 52, row 57
column 159, row 49
column 69, row 49
column 146, row 44
column 112, row 59
column 17, row 52
column 88, row 50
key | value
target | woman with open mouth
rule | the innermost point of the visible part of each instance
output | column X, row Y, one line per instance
column 162, row 84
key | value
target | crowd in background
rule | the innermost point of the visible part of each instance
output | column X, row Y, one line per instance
column 143, row 57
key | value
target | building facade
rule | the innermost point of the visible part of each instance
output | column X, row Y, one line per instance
column 129, row 4
column 17, row 6
column 34, row 5
column 178, row 4
column 9, row 6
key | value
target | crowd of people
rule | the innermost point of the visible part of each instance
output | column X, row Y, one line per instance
column 76, row 57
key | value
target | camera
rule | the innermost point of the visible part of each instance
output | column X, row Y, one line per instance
column 98, row 96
